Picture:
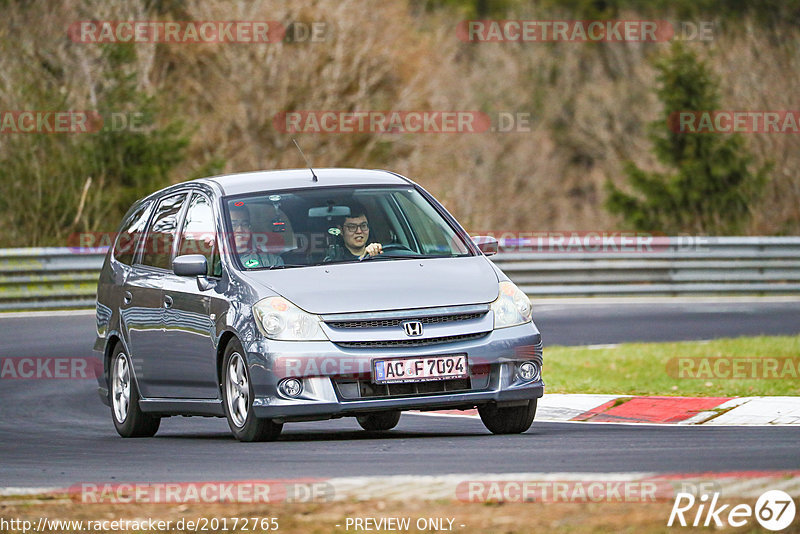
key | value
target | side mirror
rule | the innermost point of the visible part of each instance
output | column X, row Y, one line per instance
column 190, row 265
column 487, row 244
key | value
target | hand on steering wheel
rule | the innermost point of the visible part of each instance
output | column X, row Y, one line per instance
column 373, row 249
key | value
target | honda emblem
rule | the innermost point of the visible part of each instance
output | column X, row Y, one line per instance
column 413, row 328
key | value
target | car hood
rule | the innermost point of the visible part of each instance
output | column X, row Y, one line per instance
column 378, row 285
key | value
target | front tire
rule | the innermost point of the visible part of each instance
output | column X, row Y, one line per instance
column 379, row 421
column 237, row 398
column 512, row 420
column 129, row 420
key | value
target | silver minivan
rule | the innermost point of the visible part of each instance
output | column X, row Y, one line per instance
column 297, row 295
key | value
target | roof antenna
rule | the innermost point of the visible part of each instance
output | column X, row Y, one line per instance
column 305, row 158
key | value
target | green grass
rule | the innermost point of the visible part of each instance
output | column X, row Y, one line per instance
column 653, row 368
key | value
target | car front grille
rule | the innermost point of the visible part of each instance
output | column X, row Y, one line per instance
column 410, row 342
column 388, row 323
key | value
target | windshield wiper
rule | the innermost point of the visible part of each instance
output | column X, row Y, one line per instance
column 286, row 266
column 404, row 257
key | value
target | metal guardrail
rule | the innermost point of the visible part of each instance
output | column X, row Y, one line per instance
column 47, row 278
column 660, row 266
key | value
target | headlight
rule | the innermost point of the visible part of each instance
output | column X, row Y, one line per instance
column 512, row 307
column 279, row 319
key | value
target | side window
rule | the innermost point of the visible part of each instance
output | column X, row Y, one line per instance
column 130, row 233
column 161, row 235
column 435, row 237
column 198, row 235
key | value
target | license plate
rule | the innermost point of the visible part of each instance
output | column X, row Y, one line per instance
column 420, row 369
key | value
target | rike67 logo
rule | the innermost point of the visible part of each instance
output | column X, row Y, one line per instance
column 774, row 510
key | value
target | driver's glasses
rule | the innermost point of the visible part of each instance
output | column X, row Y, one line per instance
column 240, row 225
column 352, row 227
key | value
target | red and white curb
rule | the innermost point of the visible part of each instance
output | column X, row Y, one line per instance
column 734, row 411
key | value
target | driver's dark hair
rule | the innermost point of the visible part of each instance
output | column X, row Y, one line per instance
column 239, row 209
column 356, row 210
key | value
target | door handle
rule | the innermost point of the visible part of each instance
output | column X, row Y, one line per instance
column 127, row 297
column 167, row 301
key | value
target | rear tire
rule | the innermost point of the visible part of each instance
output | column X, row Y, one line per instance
column 129, row 420
column 379, row 421
column 237, row 398
column 513, row 420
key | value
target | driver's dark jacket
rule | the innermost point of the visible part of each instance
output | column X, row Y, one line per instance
column 339, row 252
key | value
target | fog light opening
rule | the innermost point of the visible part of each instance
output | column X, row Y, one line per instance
column 528, row 371
column 291, row 387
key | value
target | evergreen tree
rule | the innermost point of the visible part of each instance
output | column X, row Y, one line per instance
column 710, row 187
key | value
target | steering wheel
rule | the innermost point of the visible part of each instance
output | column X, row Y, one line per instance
column 394, row 246
column 388, row 248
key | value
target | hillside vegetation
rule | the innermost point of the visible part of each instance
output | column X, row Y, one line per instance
column 210, row 108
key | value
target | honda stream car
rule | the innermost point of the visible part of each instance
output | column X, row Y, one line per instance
column 299, row 295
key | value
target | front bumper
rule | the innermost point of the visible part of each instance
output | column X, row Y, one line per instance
column 321, row 365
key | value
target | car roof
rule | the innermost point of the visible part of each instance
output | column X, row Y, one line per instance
column 250, row 182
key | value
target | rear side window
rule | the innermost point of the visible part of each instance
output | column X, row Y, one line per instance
column 161, row 235
column 130, row 234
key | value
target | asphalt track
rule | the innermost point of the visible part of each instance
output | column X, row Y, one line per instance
column 57, row 433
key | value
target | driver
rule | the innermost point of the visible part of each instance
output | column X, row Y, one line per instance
column 243, row 239
column 355, row 234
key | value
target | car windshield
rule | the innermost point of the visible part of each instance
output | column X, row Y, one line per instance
column 335, row 225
